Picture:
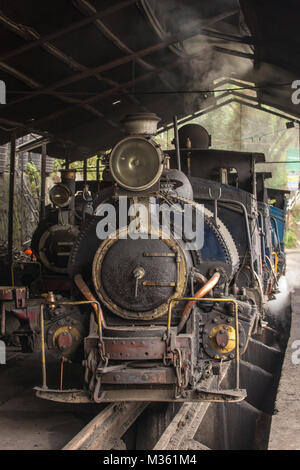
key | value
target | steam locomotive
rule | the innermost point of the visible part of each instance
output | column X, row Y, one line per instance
column 171, row 272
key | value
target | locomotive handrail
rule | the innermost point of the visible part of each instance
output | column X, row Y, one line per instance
column 276, row 260
column 209, row 299
column 272, row 268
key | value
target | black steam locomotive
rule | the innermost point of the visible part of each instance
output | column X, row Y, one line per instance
column 171, row 273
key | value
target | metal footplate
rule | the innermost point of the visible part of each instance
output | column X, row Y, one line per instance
column 135, row 394
column 234, row 395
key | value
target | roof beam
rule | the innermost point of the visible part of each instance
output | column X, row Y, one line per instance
column 244, row 55
column 19, row 75
column 31, row 145
column 238, row 83
column 108, row 66
column 104, row 94
column 197, row 114
column 27, row 33
column 238, row 98
column 234, row 81
column 209, row 22
column 233, row 99
column 21, row 129
column 68, row 29
column 33, row 84
column 89, row 10
column 20, row 31
column 227, row 37
column 223, row 16
column 85, row 7
column 260, row 108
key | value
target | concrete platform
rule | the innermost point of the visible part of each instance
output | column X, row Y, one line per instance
column 285, row 427
column 27, row 422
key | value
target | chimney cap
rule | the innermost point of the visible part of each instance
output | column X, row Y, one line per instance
column 141, row 123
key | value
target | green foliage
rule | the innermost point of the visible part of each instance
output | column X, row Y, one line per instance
column 91, row 167
column 34, row 179
column 291, row 239
column 296, row 213
column 292, row 234
column 57, row 165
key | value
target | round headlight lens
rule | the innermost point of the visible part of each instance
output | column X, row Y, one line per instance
column 136, row 163
column 60, row 195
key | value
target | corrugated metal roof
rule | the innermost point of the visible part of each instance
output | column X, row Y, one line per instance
column 73, row 69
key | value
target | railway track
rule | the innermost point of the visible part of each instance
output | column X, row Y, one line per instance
column 105, row 431
column 28, row 422
column 198, row 425
column 181, row 431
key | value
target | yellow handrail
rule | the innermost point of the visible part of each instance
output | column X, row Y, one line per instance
column 276, row 260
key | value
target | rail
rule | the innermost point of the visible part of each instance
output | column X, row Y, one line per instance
column 104, row 432
column 183, row 427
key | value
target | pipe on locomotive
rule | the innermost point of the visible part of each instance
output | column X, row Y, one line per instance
column 82, row 286
column 208, row 286
column 177, row 145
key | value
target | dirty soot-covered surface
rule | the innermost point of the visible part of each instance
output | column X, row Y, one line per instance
column 27, row 422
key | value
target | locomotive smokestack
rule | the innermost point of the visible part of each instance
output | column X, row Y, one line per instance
column 141, row 124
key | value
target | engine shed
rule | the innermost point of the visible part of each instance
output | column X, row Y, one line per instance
column 73, row 75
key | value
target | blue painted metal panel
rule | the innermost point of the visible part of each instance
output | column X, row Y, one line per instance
column 278, row 226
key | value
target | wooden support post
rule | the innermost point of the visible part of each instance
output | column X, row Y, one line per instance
column 11, row 198
column 85, row 171
column 176, row 140
column 43, row 180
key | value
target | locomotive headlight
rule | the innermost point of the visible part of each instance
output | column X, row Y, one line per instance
column 60, row 195
column 136, row 163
